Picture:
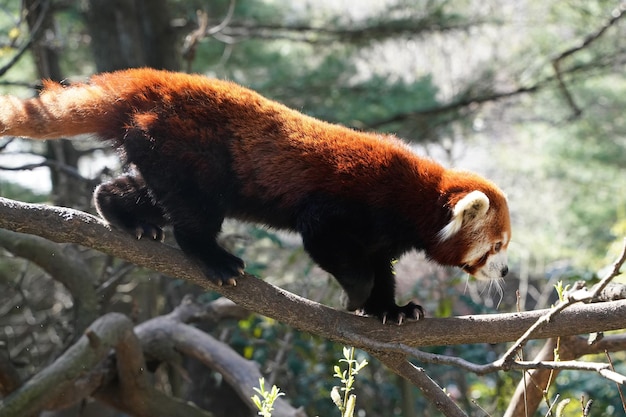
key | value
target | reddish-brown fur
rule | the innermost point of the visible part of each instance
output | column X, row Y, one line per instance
column 238, row 154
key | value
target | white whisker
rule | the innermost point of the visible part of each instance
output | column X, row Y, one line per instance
column 497, row 285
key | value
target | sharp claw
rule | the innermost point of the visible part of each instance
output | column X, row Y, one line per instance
column 138, row 232
column 401, row 317
column 231, row 282
column 384, row 318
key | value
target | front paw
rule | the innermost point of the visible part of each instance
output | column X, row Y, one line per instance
column 397, row 314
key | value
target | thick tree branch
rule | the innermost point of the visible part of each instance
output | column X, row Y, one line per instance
column 82, row 371
column 46, row 386
column 67, row 225
column 172, row 337
column 567, row 302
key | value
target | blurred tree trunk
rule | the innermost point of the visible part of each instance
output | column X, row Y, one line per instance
column 132, row 33
column 45, row 51
column 125, row 33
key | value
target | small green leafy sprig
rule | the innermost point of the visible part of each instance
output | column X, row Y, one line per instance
column 346, row 404
column 266, row 405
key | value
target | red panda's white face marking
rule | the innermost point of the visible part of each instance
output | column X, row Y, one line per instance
column 481, row 231
column 488, row 260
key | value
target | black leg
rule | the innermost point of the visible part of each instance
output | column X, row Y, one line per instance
column 352, row 271
column 192, row 184
column 200, row 245
column 339, row 247
column 197, row 222
column 343, row 241
column 329, row 239
column 126, row 203
column 381, row 302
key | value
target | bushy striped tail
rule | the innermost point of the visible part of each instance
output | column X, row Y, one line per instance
column 57, row 112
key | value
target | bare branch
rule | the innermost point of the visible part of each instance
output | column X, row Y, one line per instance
column 601, row 368
column 192, row 39
column 34, row 33
column 68, row 225
column 49, row 163
column 371, row 31
column 617, row 14
column 615, row 271
column 46, row 387
column 225, row 22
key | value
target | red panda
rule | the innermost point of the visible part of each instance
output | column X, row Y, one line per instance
column 203, row 149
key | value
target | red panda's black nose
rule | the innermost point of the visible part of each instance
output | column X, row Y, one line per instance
column 504, row 271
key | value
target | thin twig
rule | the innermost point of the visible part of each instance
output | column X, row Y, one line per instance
column 617, row 14
column 45, row 7
column 615, row 271
column 509, row 356
column 66, row 169
column 425, row 357
column 418, row 377
column 193, row 39
column 619, row 388
column 225, row 22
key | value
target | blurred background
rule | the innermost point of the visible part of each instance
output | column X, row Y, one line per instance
column 531, row 94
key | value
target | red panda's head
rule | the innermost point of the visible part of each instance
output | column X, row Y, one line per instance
column 477, row 234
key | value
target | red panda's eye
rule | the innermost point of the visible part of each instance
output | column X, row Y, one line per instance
column 497, row 247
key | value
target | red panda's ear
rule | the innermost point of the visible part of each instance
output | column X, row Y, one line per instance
column 474, row 205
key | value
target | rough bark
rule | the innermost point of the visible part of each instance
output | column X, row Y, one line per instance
column 68, row 225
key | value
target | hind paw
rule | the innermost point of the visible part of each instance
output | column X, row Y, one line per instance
column 223, row 273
